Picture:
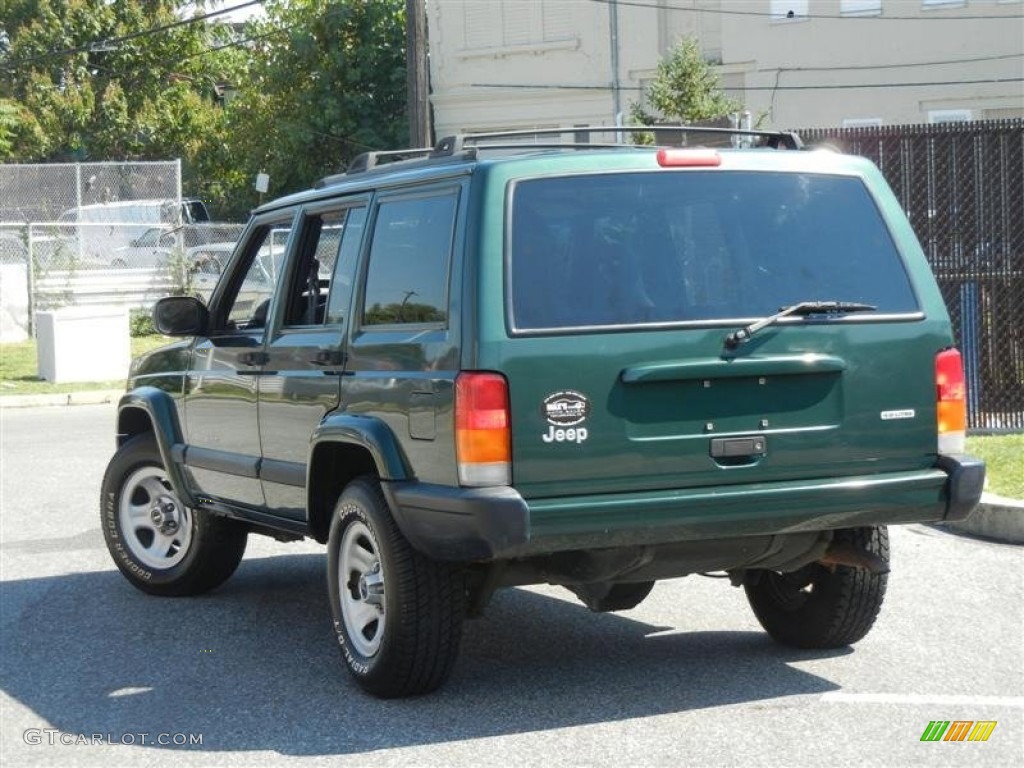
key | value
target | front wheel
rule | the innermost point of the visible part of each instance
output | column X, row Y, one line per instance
column 397, row 615
column 820, row 606
column 160, row 545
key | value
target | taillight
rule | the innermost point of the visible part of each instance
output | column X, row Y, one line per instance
column 951, row 397
column 483, row 445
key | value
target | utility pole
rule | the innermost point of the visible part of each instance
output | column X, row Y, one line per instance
column 613, row 30
column 418, row 96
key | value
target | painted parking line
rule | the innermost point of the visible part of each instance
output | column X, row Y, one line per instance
column 840, row 697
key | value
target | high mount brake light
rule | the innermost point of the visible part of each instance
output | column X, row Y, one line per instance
column 689, row 158
column 951, row 402
column 483, row 444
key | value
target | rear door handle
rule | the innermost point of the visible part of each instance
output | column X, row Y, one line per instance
column 253, row 358
column 329, row 357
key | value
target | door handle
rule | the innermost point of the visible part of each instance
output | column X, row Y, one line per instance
column 329, row 357
column 253, row 358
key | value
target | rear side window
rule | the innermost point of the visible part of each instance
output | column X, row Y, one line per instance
column 636, row 248
column 407, row 276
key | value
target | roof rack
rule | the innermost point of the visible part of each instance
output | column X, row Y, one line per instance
column 457, row 143
column 367, row 160
column 467, row 145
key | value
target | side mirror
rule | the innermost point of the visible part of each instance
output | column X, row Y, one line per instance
column 181, row 316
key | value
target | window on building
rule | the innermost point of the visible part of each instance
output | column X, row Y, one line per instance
column 789, row 10
column 926, row 4
column 407, row 277
column 500, row 23
column 862, row 122
column 950, row 116
column 860, row 7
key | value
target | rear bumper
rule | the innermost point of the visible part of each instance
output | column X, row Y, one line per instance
column 496, row 523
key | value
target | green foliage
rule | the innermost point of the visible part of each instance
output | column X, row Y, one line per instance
column 311, row 85
column 326, row 82
column 140, row 323
column 19, row 376
column 684, row 90
column 403, row 312
column 1004, row 468
column 80, row 90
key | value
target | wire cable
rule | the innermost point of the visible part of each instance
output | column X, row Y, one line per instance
column 859, row 16
column 111, row 41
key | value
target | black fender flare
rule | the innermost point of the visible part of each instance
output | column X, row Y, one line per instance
column 160, row 408
column 366, row 432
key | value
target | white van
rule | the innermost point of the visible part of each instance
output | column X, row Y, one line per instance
column 102, row 228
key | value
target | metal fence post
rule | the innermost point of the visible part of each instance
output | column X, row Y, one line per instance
column 30, row 281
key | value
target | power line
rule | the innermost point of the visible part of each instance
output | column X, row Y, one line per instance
column 537, row 86
column 851, row 67
column 107, row 42
column 722, row 12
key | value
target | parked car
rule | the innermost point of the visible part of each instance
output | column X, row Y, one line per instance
column 105, row 232
column 492, row 364
column 155, row 247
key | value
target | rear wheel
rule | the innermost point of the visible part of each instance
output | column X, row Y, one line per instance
column 398, row 615
column 160, row 545
column 820, row 606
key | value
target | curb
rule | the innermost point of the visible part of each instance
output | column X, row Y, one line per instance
column 88, row 397
column 995, row 518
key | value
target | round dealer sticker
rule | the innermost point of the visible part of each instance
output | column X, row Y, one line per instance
column 566, row 409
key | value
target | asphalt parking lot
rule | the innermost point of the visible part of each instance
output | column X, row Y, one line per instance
column 686, row 678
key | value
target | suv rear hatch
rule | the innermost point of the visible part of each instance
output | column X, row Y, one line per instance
column 623, row 288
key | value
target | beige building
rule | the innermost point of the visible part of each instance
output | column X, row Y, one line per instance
column 500, row 64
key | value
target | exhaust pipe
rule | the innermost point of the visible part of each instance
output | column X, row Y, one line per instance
column 845, row 554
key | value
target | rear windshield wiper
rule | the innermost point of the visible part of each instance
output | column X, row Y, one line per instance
column 741, row 335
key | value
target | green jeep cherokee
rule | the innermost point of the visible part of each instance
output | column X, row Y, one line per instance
column 490, row 364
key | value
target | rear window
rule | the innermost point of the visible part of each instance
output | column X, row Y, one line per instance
column 636, row 248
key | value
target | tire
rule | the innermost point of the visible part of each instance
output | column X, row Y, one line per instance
column 161, row 546
column 397, row 614
column 822, row 606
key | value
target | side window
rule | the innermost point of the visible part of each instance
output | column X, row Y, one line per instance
column 340, row 300
column 407, row 276
column 248, row 299
column 327, row 254
column 310, row 279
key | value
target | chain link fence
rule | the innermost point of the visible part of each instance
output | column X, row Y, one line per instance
column 962, row 185
column 75, row 234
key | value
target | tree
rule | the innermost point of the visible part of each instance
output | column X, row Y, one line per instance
column 684, row 90
column 326, row 82
column 91, row 79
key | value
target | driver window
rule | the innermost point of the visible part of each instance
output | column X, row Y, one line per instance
column 250, row 303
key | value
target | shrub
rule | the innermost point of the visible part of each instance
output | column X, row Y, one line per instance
column 140, row 323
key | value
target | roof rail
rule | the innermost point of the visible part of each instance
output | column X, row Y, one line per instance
column 467, row 144
column 457, row 143
column 368, row 161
